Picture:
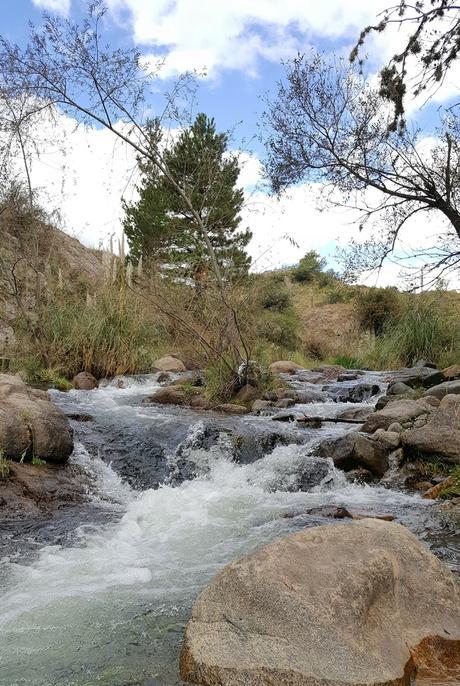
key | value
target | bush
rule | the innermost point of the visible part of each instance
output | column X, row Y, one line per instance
column 279, row 328
column 375, row 307
column 273, row 295
column 309, row 267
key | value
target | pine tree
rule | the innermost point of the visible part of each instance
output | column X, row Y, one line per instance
column 160, row 226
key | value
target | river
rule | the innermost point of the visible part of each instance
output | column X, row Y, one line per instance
column 98, row 593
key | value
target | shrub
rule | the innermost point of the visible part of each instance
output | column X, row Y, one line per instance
column 4, row 465
column 279, row 328
column 375, row 307
column 309, row 267
column 273, row 295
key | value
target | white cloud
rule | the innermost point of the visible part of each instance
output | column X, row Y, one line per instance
column 59, row 6
column 215, row 35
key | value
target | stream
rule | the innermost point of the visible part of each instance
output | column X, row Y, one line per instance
column 100, row 591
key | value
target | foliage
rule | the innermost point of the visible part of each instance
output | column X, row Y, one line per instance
column 273, row 294
column 37, row 374
column 309, row 268
column 424, row 330
column 329, row 126
column 160, row 226
column 348, row 362
column 4, row 465
column 280, row 328
column 37, row 461
column 375, row 307
column 433, row 44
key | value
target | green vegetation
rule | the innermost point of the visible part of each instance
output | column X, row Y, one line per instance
column 4, row 465
column 161, row 228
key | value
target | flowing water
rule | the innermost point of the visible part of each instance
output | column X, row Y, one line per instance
column 100, row 592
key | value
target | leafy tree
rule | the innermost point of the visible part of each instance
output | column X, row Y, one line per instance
column 310, row 267
column 433, row 44
column 329, row 125
column 161, row 227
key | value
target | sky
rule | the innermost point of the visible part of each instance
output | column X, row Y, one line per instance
column 238, row 47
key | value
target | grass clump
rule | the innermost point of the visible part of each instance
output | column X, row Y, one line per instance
column 4, row 466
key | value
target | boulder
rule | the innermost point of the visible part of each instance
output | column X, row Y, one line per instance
column 284, row 403
column 395, row 411
column 345, row 604
column 400, row 388
column 452, row 372
column 354, row 451
column 307, row 396
column 84, row 381
column 31, row 425
column 389, row 439
column 445, row 388
column 261, row 405
column 168, row 363
column 284, row 367
column 231, row 408
column 440, row 436
column 437, row 490
column 168, row 395
column 190, row 379
column 358, row 413
column 418, row 376
column 358, row 393
column 246, row 394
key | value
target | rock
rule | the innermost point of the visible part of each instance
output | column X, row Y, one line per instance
column 270, row 396
column 32, row 488
column 389, row 439
column 168, row 395
column 285, row 417
column 423, row 486
column 353, row 394
column 436, row 491
column 307, row 396
column 396, row 427
column 284, row 403
column 189, row 379
column 360, row 476
column 361, row 413
column 431, row 400
column 164, row 377
column 418, row 376
column 424, row 363
column 168, row 363
column 84, row 381
column 445, row 388
column 231, row 408
column 400, row 388
column 80, row 417
column 348, row 376
column 420, row 421
column 284, row 367
column 341, row 604
column 200, row 402
column 330, row 371
column 31, row 425
column 283, row 393
column 246, row 394
column 452, row 372
column 355, row 450
column 261, row 405
column 311, row 422
column 396, row 411
column 441, row 434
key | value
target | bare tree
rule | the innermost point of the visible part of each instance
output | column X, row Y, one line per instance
column 328, row 125
column 66, row 65
column 432, row 46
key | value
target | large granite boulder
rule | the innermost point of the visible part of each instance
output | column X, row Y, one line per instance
column 354, row 451
column 356, row 604
column 395, row 411
column 31, row 425
column 284, row 367
column 84, row 381
column 445, row 388
column 168, row 395
column 440, row 436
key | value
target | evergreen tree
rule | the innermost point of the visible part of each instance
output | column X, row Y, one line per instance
column 161, row 227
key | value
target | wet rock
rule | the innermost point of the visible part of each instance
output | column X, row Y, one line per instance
column 230, row 408
column 271, row 396
column 32, row 488
column 285, row 417
column 307, row 396
column 431, row 400
column 169, row 363
column 440, row 435
column 348, row 376
column 355, row 599
column 360, row 476
column 164, row 377
column 355, row 450
column 168, row 395
column 84, row 381
column 311, row 422
column 246, row 394
column 445, row 388
column 330, row 371
column 396, row 411
column 31, row 425
column 423, row 486
column 259, row 406
column 190, row 379
column 199, row 402
column 310, row 377
column 284, row 367
column 418, row 376
column 284, row 393
column 359, row 413
column 358, row 393
column 80, row 417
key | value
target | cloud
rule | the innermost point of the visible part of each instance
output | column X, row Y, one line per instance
column 59, row 6
column 215, row 35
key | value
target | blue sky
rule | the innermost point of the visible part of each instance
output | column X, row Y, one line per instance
column 241, row 45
